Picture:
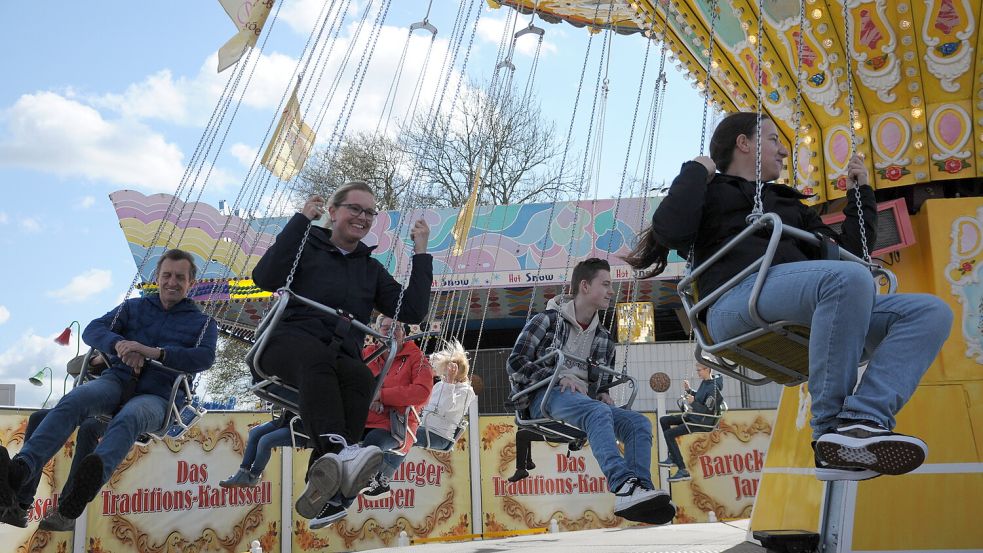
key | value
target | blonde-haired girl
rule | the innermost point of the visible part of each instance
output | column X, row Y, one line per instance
column 450, row 398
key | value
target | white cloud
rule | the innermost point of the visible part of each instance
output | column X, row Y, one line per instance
column 302, row 15
column 4, row 314
column 84, row 286
column 491, row 30
column 3, row 218
column 48, row 132
column 87, row 202
column 244, row 153
column 30, row 225
column 28, row 355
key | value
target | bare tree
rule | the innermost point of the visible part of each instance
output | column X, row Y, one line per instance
column 516, row 147
column 373, row 158
column 229, row 375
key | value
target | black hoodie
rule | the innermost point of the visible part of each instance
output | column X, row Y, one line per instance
column 355, row 283
column 711, row 214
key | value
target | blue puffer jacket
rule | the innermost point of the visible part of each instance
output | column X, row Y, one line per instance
column 176, row 330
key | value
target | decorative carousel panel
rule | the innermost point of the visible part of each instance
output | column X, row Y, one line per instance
column 946, row 36
column 950, row 131
column 893, row 145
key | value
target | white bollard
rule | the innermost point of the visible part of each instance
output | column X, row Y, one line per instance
column 554, row 526
column 403, row 540
column 711, row 516
column 255, row 547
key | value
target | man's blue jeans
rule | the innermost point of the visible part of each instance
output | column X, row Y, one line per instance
column 259, row 447
column 142, row 413
column 604, row 424
column 85, row 443
column 837, row 299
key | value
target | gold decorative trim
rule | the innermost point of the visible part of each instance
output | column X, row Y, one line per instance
column 130, row 534
column 705, row 503
column 371, row 527
column 590, row 518
column 705, row 441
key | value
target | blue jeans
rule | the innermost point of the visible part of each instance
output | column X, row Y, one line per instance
column 604, row 423
column 85, row 443
column 437, row 441
column 384, row 440
column 837, row 299
column 259, row 447
column 142, row 413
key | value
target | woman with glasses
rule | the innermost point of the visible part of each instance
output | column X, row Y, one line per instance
column 311, row 351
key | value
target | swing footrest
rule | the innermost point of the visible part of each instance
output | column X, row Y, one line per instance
column 762, row 353
column 788, row 541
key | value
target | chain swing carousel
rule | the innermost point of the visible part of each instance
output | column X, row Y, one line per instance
column 902, row 84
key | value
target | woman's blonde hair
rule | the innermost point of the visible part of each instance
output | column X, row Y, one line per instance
column 453, row 352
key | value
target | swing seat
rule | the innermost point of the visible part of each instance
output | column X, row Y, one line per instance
column 777, row 350
column 701, row 422
column 184, row 409
column 554, row 429
column 285, row 395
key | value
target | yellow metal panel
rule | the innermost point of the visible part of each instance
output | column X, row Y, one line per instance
column 919, row 511
column 787, row 502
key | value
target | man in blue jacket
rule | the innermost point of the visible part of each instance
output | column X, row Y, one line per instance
column 706, row 400
column 168, row 328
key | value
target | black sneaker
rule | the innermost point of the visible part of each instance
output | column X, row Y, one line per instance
column 868, row 445
column 329, row 515
column 519, row 475
column 57, row 522
column 14, row 516
column 633, row 501
column 378, row 488
column 87, row 482
column 826, row 472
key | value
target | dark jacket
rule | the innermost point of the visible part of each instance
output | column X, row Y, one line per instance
column 355, row 283
column 176, row 330
column 707, row 399
column 711, row 214
column 539, row 337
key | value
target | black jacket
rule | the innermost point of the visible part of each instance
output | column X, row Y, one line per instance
column 355, row 283
column 707, row 399
column 711, row 214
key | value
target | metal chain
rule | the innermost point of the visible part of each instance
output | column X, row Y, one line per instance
column 799, row 72
column 300, row 252
column 709, row 80
column 851, row 103
column 759, row 186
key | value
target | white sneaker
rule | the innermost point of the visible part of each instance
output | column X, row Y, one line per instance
column 636, row 503
column 358, row 465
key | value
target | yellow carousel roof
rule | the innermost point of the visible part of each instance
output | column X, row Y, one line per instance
column 918, row 84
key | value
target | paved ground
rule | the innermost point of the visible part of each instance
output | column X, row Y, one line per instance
column 717, row 537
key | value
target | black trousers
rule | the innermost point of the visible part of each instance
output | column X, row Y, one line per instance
column 672, row 428
column 523, row 447
column 335, row 389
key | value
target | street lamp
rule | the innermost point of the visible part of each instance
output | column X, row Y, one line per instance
column 38, row 380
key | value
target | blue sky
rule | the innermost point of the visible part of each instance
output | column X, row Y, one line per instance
column 98, row 100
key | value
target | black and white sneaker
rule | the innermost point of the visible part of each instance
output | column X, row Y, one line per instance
column 827, row 473
column 329, row 515
column 868, row 445
column 378, row 488
column 635, row 502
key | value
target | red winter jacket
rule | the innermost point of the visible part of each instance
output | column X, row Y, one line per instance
column 409, row 382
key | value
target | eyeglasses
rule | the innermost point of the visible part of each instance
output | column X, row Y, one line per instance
column 357, row 210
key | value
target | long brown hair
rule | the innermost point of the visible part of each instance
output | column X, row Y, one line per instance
column 649, row 257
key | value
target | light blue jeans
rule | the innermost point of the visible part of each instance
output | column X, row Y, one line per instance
column 604, row 424
column 259, row 447
column 142, row 413
column 837, row 299
column 384, row 440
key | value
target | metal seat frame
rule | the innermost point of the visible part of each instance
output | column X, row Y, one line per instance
column 179, row 418
column 555, row 429
column 745, row 350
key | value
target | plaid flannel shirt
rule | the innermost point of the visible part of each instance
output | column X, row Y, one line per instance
column 541, row 335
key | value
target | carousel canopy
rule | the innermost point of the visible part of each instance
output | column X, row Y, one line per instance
column 918, row 87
